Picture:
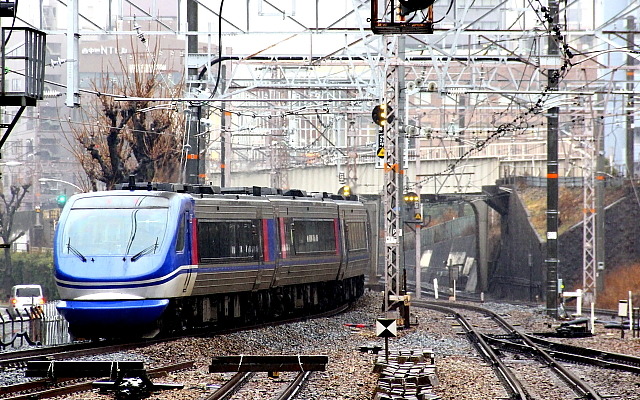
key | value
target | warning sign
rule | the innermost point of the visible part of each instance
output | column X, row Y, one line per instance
column 386, row 327
column 380, row 151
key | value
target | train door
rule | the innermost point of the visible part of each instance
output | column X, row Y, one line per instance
column 184, row 248
column 260, row 230
column 283, row 244
column 343, row 236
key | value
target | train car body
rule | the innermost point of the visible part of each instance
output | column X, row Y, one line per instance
column 138, row 262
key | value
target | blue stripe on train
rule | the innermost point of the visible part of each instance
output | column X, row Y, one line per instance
column 117, row 312
column 200, row 269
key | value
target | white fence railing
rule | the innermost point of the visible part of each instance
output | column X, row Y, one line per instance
column 41, row 326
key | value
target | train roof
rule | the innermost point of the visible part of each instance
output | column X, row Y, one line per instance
column 204, row 191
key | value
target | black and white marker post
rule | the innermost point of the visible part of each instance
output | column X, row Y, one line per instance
column 386, row 328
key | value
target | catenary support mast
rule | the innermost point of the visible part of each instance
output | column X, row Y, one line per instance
column 392, row 172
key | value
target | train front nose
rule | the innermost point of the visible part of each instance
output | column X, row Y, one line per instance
column 112, row 318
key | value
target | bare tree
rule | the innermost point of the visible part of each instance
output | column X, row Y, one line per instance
column 121, row 138
column 10, row 205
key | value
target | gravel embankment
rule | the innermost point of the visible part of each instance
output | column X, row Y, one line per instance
column 349, row 375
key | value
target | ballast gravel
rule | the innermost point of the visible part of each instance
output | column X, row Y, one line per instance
column 461, row 373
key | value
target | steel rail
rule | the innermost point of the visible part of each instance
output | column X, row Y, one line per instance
column 35, row 393
column 510, row 382
column 578, row 385
column 609, row 359
column 231, row 386
column 567, row 354
column 294, row 386
column 78, row 349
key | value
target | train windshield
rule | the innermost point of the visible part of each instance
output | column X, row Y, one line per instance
column 108, row 229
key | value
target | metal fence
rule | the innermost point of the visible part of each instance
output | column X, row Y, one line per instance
column 38, row 326
column 565, row 181
column 447, row 230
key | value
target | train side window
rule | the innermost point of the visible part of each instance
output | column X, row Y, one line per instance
column 181, row 232
column 314, row 236
column 222, row 241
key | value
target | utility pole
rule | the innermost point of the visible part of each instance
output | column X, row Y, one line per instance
column 351, row 176
column 73, row 37
column 551, row 261
column 418, row 225
column 223, row 131
column 192, row 168
column 600, row 177
column 631, row 61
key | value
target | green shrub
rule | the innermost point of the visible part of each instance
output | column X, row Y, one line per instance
column 35, row 268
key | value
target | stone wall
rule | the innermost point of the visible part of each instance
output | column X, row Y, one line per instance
column 519, row 270
column 622, row 242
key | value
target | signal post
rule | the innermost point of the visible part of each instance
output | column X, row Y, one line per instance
column 389, row 20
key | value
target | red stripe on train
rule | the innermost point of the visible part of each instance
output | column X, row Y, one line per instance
column 265, row 240
column 194, row 241
column 336, row 229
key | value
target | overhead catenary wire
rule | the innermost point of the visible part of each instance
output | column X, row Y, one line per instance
column 258, row 115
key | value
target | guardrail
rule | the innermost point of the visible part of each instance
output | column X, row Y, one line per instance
column 36, row 326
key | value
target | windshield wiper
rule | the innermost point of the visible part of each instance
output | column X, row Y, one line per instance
column 134, row 230
column 145, row 251
column 73, row 250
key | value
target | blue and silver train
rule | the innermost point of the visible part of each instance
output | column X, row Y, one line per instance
column 168, row 257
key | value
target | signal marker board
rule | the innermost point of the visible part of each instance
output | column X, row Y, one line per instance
column 386, row 327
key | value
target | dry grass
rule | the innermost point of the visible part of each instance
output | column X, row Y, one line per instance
column 570, row 206
column 619, row 280
column 618, row 283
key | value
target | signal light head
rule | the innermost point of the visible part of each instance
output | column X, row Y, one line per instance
column 61, row 200
column 345, row 191
column 411, row 197
column 380, row 114
column 415, row 5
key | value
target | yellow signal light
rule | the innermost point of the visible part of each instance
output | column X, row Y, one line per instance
column 380, row 114
column 345, row 191
column 411, row 197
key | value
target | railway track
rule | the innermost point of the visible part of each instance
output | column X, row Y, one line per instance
column 20, row 360
column 568, row 353
column 59, row 386
column 517, row 375
column 87, row 348
column 235, row 385
column 248, row 366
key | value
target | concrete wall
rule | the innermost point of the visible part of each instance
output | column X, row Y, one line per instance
column 370, row 180
column 452, row 244
column 517, row 270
